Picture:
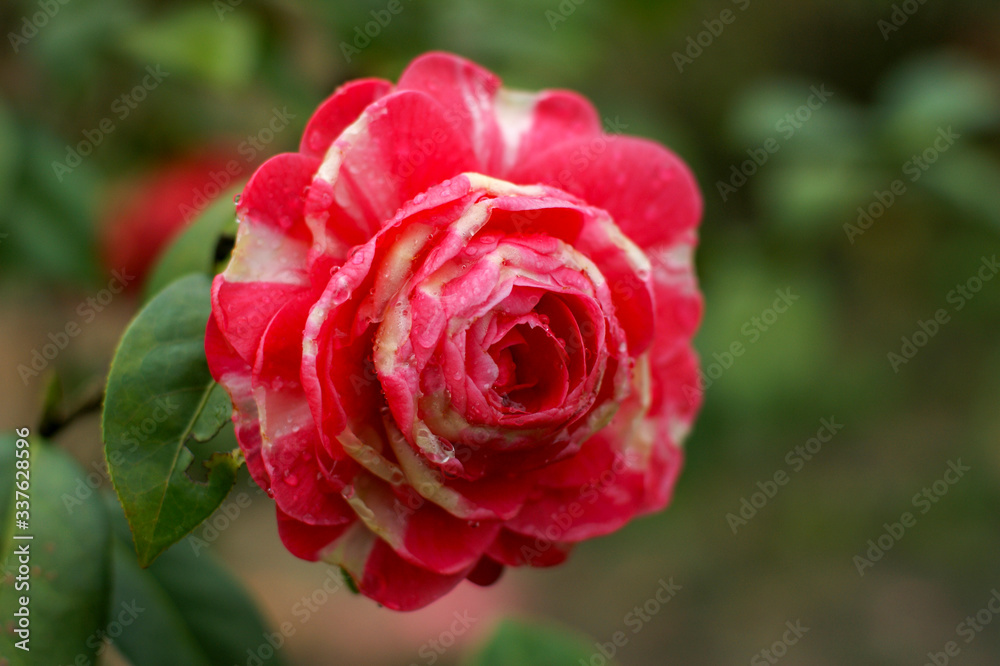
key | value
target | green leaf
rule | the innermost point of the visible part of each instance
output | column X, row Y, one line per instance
column 69, row 558
column 530, row 643
column 160, row 398
column 194, row 250
column 184, row 609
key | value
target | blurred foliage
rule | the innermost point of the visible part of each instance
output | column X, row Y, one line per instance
column 233, row 64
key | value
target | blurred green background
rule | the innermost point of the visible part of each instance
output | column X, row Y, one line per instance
column 889, row 90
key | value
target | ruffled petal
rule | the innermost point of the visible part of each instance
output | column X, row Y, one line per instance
column 338, row 111
column 380, row 574
column 291, row 440
column 234, row 374
column 466, row 91
column 309, row 541
column 648, row 190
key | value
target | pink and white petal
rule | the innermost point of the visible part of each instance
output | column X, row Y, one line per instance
column 275, row 195
column 243, row 310
column 309, row 541
column 290, row 436
column 338, row 111
column 649, row 191
column 426, row 536
column 495, row 498
column 467, row 92
column 400, row 146
column 234, row 374
column 679, row 303
column 381, row 574
column 555, row 116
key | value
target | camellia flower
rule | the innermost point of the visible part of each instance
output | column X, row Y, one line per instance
column 456, row 329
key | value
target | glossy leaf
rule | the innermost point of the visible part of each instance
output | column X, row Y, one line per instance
column 160, row 398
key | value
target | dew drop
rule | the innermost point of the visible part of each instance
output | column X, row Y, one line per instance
column 291, row 479
column 237, row 198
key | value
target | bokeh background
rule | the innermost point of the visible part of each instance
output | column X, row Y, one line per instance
column 890, row 88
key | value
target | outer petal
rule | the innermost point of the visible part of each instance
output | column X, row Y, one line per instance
column 229, row 369
column 648, row 190
column 338, row 111
column 426, row 536
column 384, row 576
column 291, row 441
column 400, row 146
column 518, row 550
column 269, row 261
column 274, row 197
column 466, row 91
column 554, row 117
column 308, row 541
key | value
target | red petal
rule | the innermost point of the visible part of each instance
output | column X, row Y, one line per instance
column 230, row 370
column 291, row 440
column 518, row 550
column 384, row 576
column 487, row 572
column 307, row 541
column 338, row 111
column 243, row 310
column 466, row 91
column 275, row 195
column 557, row 116
column 649, row 191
